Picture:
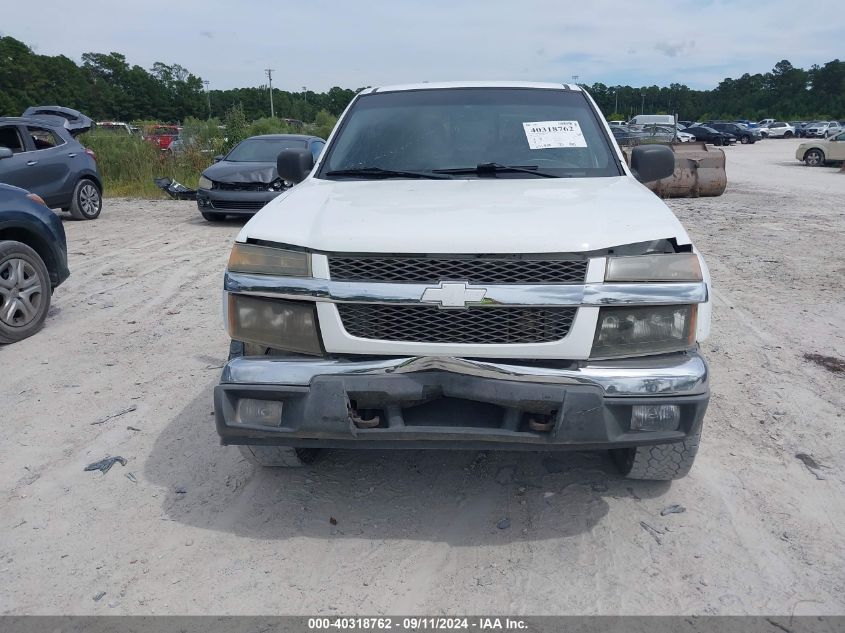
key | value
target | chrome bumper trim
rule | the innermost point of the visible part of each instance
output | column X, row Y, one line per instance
column 547, row 295
column 676, row 375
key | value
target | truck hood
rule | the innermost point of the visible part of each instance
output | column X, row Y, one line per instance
column 465, row 216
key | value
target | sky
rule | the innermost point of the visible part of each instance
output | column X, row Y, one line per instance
column 325, row 43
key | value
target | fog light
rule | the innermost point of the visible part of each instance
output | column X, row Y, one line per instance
column 264, row 412
column 660, row 417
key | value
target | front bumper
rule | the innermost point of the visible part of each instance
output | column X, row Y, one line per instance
column 434, row 402
column 233, row 202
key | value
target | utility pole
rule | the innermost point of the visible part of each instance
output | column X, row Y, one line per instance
column 642, row 107
column 616, row 102
column 269, row 72
column 208, row 95
column 305, row 93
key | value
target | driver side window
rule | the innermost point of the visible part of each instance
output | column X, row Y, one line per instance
column 9, row 137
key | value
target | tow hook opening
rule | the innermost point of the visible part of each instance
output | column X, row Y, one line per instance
column 541, row 422
column 364, row 418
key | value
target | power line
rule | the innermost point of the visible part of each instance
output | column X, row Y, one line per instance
column 269, row 72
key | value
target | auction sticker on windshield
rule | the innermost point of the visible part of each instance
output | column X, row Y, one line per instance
column 549, row 134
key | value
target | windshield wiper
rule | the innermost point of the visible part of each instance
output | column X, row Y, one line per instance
column 378, row 172
column 483, row 169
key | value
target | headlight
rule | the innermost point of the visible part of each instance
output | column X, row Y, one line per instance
column 205, row 183
column 266, row 260
column 675, row 267
column 624, row 331
column 285, row 325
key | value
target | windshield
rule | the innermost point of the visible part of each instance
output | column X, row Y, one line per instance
column 262, row 150
column 555, row 131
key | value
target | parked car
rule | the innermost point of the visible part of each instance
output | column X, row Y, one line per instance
column 668, row 134
column 626, row 136
column 744, row 134
column 431, row 283
column 710, row 135
column 71, row 120
column 780, row 129
column 823, row 129
column 161, row 135
column 33, row 261
column 818, row 152
column 800, row 127
column 47, row 160
column 246, row 179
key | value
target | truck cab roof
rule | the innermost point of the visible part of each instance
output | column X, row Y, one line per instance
column 439, row 85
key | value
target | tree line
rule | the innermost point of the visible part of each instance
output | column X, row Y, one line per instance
column 107, row 87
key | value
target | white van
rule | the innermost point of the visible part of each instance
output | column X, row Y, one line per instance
column 653, row 119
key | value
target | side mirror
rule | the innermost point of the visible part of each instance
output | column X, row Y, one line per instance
column 5, row 152
column 218, row 158
column 652, row 162
column 294, row 165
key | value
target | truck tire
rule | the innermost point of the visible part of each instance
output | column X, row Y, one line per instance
column 279, row 456
column 87, row 201
column 661, row 462
column 272, row 456
column 24, row 291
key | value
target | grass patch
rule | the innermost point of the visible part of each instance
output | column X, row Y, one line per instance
column 129, row 165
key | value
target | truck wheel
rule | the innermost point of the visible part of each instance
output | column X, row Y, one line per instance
column 814, row 158
column 279, row 456
column 662, row 462
column 213, row 217
column 24, row 291
column 87, row 200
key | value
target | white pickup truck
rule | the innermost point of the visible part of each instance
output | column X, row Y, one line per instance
column 468, row 266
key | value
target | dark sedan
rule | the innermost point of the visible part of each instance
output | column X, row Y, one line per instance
column 33, row 261
column 246, row 179
column 711, row 135
column 744, row 134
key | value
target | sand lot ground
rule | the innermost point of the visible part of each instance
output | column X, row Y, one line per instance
column 138, row 325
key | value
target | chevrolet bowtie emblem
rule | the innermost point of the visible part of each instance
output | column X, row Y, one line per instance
column 453, row 295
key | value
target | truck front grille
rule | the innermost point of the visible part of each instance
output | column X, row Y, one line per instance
column 479, row 325
column 475, row 270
